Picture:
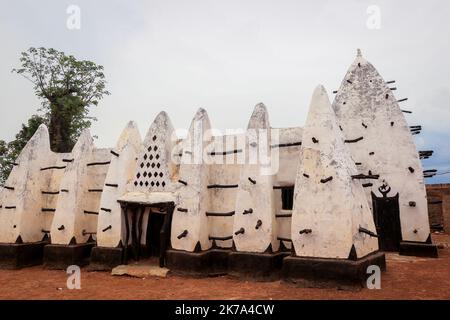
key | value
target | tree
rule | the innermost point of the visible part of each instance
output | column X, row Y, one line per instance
column 10, row 151
column 4, row 170
column 67, row 88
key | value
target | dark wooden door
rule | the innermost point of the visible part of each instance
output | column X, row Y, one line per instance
column 158, row 231
column 387, row 221
column 154, row 227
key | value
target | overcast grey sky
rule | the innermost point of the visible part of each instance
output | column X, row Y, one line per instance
column 228, row 55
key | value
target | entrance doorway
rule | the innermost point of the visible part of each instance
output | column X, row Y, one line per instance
column 386, row 215
column 158, row 229
column 154, row 228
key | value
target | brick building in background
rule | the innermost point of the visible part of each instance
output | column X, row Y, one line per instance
column 439, row 206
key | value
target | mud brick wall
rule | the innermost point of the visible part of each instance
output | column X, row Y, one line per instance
column 439, row 206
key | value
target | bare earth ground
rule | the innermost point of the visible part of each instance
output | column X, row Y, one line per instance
column 406, row 278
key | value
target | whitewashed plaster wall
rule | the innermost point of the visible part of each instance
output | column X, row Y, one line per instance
column 255, row 191
column 79, row 199
column 327, row 201
column 366, row 107
column 223, row 172
column 50, row 188
column 121, row 172
column 36, row 169
column 97, row 169
column 155, row 170
column 287, row 153
column 194, row 196
column 156, row 173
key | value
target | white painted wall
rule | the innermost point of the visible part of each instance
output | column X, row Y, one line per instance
column 121, row 172
column 368, row 99
column 194, row 196
column 259, row 197
column 333, row 210
column 288, row 156
column 50, row 182
column 288, row 159
column 155, row 171
column 28, row 180
column 78, row 179
column 224, row 170
column 360, row 101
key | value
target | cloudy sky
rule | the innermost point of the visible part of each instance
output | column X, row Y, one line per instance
column 228, row 55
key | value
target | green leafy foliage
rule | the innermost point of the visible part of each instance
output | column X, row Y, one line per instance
column 67, row 88
column 10, row 151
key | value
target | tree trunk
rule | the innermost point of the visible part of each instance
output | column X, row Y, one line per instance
column 59, row 130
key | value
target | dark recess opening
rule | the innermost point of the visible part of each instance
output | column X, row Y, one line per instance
column 287, row 198
column 386, row 214
column 154, row 227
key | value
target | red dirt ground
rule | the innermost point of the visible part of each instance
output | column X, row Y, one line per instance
column 406, row 278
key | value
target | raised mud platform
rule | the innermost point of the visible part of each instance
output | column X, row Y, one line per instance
column 260, row 266
column 105, row 259
column 216, row 262
column 418, row 249
column 212, row 262
column 20, row 255
column 61, row 256
column 319, row 272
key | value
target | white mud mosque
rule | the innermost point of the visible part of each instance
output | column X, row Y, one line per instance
column 320, row 202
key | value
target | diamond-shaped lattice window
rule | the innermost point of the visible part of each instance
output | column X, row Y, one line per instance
column 151, row 173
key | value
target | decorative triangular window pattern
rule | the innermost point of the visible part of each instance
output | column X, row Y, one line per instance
column 152, row 173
